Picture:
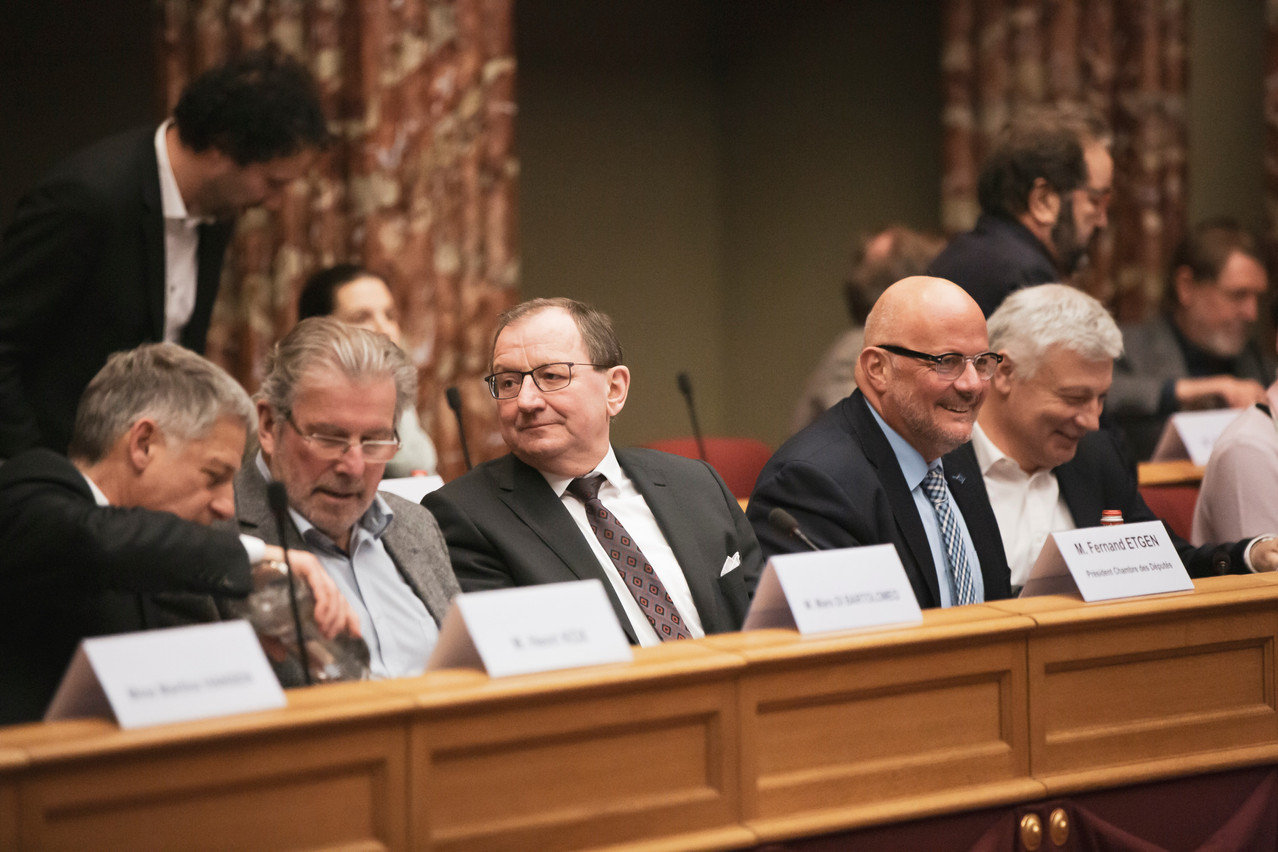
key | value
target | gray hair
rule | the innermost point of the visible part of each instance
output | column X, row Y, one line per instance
column 1032, row 321
column 183, row 392
column 356, row 353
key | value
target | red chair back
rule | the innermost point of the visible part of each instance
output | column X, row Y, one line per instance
column 738, row 460
column 1173, row 504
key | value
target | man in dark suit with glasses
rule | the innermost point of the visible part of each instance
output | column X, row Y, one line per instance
column 663, row 533
column 869, row 470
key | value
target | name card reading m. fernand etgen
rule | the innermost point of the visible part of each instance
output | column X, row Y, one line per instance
column 1109, row 562
column 847, row 589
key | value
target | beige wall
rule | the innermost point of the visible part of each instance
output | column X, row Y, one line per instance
column 1226, row 122
column 705, row 189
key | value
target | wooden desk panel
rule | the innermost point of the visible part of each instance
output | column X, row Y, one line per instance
column 715, row 744
column 641, row 753
column 834, row 730
column 1143, row 688
column 329, row 772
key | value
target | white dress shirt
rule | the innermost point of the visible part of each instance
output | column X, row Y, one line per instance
column 181, row 246
column 1028, row 506
column 625, row 502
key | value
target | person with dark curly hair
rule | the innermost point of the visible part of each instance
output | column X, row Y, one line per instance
column 123, row 243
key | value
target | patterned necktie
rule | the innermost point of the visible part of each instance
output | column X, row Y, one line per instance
column 640, row 579
column 955, row 552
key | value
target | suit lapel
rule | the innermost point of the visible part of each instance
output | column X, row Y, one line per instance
column 152, row 221
column 404, row 551
column 963, row 474
column 904, row 511
column 1084, row 494
column 208, row 269
column 682, row 533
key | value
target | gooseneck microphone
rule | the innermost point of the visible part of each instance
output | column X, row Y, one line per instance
column 277, row 498
column 454, row 402
column 1220, row 561
column 783, row 522
column 685, row 388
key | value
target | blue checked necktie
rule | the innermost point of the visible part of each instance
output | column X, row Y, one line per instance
column 640, row 579
column 955, row 552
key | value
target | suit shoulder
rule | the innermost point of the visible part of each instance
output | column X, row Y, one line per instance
column 407, row 512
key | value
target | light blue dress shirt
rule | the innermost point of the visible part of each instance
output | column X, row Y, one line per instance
column 399, row 630
column 914, row 469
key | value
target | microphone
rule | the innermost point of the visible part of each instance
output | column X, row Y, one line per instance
column 1220, row 561
column 685, row 388
column 454, row 402
column 783, row 522
column 277, row 498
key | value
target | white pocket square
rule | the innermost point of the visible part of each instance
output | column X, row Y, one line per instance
column 730, row 563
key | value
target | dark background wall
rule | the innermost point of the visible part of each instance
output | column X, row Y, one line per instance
column 698, row 168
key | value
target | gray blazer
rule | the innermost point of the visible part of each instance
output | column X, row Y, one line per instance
column 1151, row 358
column 413, row 540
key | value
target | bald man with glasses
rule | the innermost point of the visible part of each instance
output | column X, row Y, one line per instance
column 663, row 533
column 327, row 411
column 869, row 471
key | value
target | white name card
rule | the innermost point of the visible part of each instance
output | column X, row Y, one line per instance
column 847, row 589
column 531, row 629
column 1103, row 563
column 412, row 488
column 1192, row 434
column 160, row 676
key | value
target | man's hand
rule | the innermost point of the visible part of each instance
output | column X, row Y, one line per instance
column 1211, row 391
column 1264, row 555
column 333, row 615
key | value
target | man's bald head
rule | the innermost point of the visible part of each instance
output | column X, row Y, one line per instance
column 928, row 316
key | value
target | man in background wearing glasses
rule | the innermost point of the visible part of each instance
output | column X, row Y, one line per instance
column 327, row 411
column 663, row 533
column 869, row 470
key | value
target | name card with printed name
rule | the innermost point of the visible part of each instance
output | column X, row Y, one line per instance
column 531, row 629
column 161, row 676
column 1192, row 434
column 1104, row 563
column 847, row 589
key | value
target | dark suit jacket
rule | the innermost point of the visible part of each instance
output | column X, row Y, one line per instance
column 82, row 276
column 840, row 480
column 71, row 569
column 1096, row 479
column 413, row 540
column 993, row 259
column 505, row 527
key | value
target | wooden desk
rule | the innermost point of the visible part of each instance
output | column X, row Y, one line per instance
column 716, row 744
column 1181, row 472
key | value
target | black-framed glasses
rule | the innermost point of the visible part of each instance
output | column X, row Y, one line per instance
column 548, row 378
column 333, row 447
column 951, row 365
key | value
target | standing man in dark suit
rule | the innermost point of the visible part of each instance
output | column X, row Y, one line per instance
column 116, row 538
column 1047, row 465
column 869, row 470
column 681, row 559
column 327, row 411
column 1044, row 191
column 123, row 243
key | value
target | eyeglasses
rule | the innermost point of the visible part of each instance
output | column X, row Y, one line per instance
column 333, row 447
column 1099, row 197
column 548, row 377
column 952, row 364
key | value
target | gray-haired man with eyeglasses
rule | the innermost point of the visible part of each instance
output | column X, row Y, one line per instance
column 663, row 533
column 327, row 411
column 869, row 470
